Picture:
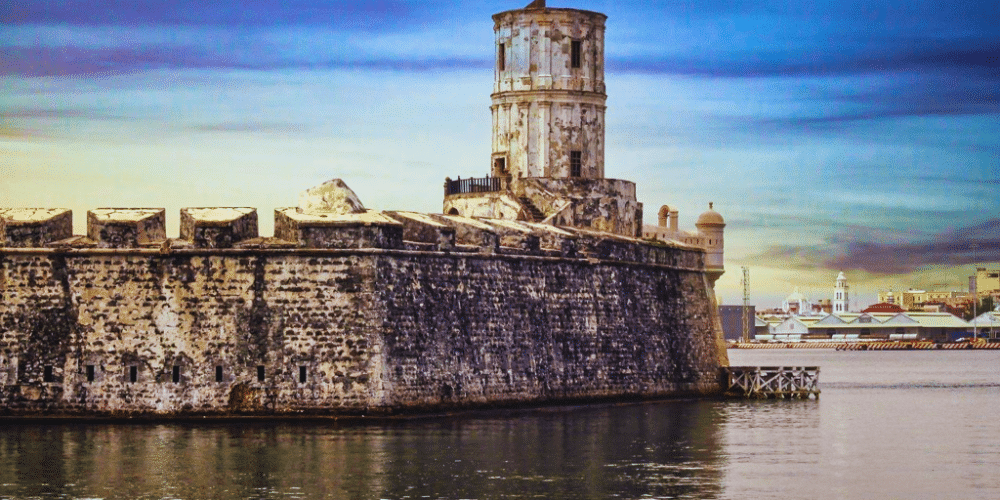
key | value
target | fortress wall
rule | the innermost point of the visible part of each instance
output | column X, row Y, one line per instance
column 197, row 312
column 514, row 330
column 374, row 330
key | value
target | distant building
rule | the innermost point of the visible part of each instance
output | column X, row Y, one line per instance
column 915, row 300
column 884, row 307
column 823, row 306
column 732, row 322
column 987, row 324
column 986, row 282
column 870, row 326
column 797, row 304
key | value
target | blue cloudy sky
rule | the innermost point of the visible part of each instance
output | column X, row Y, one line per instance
column 845, row 135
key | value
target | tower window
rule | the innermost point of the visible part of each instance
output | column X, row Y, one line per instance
column 218, row 374
column 90, row 373
column 260, row 373
column 176, row 375
column 575, row 53
column 502, row 57
column 48, row 376
column 500, row 167
column 133, row 374
column 302, row 374
column 575, row 163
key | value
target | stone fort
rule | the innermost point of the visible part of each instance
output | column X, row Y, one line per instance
column 538, row 284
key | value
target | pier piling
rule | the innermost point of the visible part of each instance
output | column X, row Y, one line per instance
column 777, row 382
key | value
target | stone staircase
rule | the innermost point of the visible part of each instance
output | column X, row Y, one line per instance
column 530, row 210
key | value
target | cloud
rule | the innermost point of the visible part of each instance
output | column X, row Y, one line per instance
column 973, row 55
column 248, row 127
column 11, row 132
column 823, row 105
column 372, row 15
column 957, row 181
column 54, row 113
column 73, row 61
column 884, row 253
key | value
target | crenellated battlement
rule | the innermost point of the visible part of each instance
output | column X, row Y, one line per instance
column 345, row 310
column 218, row 228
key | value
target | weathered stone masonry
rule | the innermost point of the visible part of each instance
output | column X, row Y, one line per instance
column 264, row 329
column 546, row 296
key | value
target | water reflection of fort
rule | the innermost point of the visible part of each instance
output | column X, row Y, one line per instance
column 664, row 450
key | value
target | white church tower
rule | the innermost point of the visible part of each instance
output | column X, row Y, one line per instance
column 840, row 295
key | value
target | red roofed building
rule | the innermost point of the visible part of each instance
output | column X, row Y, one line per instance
column 884, row 307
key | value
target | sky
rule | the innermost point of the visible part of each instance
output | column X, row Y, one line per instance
column 848, row 135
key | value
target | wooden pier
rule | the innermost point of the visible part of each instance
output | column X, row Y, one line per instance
column 772, row 382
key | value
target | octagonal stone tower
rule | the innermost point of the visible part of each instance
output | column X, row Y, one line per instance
column 548, row 96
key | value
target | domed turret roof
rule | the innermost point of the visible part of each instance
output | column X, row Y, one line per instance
column 795, row 296
column 710, row 218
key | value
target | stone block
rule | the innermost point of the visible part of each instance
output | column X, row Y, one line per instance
column 127, row 227
column 329, row 230
column 422, row 228
column 469, row 231
column 516, row 234
column 218, row 227
column 34, row 227
column 551, row 236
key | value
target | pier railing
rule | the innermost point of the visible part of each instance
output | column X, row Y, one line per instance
column 474, row 185
column 779, row 382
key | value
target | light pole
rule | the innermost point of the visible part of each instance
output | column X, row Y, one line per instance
column 975, row 292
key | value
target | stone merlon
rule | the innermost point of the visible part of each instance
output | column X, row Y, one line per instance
column 126, row 227
column 34, row 227
column 422, row 228
column 332, row 230
column 218, row 227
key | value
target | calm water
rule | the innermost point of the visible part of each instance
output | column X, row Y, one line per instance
column 905, row 425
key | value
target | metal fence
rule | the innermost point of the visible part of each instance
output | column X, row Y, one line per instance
column 474, row 185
